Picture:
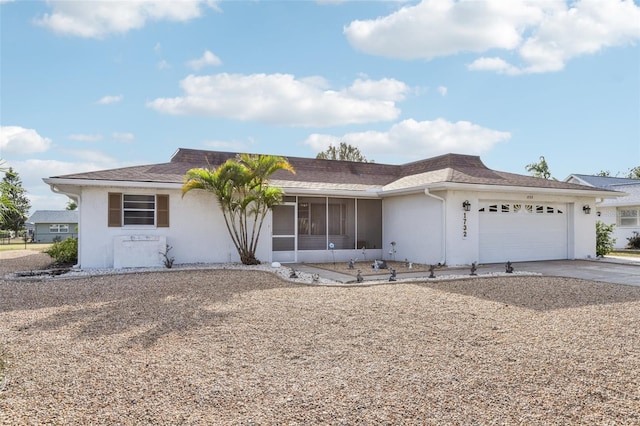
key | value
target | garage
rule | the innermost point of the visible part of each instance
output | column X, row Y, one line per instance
column 519, row 231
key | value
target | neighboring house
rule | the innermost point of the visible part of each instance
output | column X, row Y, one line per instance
column 449, row 209
column 48, row 226
column 623, row 211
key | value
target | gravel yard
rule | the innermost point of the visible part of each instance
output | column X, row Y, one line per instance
column 247, row 347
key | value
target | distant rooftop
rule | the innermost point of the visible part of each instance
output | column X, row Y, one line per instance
column 54, row 216
column 605, row 182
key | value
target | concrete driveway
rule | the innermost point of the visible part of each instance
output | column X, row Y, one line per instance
column 608, row 270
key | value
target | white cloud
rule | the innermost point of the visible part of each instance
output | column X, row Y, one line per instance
column 234, row 145
column 207, row 59
column 92, row 160
column 411, row 140
column 587, row 27
column 123, row 137
column 18, row 140
column 493, row 64
column 162, row 65
column 85, row 138
column 444, row 27
column 99, row 18
column 32, row 172
column 109, row 100
column 442, row 90
column 281, row 99
column 544, row 34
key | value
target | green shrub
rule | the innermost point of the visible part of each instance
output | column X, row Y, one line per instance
column 634, row 241
column 64, row 252
column 604, row 240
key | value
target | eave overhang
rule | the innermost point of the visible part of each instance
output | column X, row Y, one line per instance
column 455, row 186
column 63, row 182
column 67, row 185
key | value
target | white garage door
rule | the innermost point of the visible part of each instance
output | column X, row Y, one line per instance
column 513, row 231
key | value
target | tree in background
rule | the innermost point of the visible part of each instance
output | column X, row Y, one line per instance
column 5, row 203
column 343, row 152
column 14, row 197
column 539, row 169
column 71, row 205
column 634, row 173
column 241, row 186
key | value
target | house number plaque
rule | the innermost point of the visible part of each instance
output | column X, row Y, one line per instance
column 464, row 225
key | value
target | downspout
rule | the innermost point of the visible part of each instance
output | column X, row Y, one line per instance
column 444, row 225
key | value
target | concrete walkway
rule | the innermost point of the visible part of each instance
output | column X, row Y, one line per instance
column 615, row 270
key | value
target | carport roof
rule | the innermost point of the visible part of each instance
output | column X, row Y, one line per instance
column 318, row 174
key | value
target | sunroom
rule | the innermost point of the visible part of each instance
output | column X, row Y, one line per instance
column 319, row 229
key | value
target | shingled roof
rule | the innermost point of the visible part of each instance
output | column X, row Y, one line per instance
column 54, row 216
column 314, row 173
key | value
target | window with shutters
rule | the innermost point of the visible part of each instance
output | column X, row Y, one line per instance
column 138, row 210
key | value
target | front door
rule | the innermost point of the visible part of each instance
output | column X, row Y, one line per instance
column 283, row 241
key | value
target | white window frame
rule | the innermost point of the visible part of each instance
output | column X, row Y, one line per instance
column 129, row 213
column 58, row 228
column 631, row 218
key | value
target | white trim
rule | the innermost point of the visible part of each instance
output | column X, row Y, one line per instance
column 523, row 189
column 55, row 183
column 376, row 192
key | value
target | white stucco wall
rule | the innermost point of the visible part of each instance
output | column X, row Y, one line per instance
column 464, row 250
column 461, row 249
column 414, row 222
column 608, row 215
column 584, row 230
column 197, row 232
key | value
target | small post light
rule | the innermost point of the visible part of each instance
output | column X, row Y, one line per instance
column 466, row 205
column 586, row 209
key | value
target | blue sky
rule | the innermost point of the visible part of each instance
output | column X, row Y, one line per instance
column 88, row 85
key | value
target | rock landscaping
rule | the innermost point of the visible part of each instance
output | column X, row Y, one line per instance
column 228, row 346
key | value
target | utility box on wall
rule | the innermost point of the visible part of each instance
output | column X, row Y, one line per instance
column 138, row 251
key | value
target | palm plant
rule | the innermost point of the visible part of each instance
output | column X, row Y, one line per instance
column 241, row 186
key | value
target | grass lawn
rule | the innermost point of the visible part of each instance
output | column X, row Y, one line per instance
column 626, row 253
column 18, row 244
